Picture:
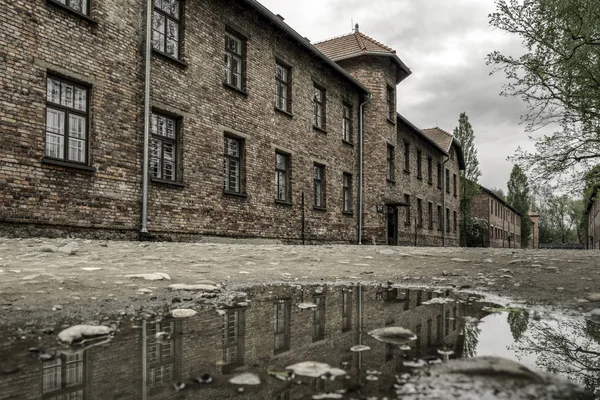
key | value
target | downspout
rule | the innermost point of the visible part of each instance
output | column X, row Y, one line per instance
column 361, row 118
column 444, row 219
column 144, row 228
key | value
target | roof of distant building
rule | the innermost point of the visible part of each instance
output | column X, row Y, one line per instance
column 499, row 199
column 358, row 44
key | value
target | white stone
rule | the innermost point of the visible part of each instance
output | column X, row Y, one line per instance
column 91, row 269
column 78, row 332
column 246, row 378
column 157, row 276
column 359, row 347
column 460, row 260
column 393, row 334
column 387, row 252
column 594, row 297
column 183, row 313
column 70, row 248
column 314, row 369
column 48, row 248
column 204, row 288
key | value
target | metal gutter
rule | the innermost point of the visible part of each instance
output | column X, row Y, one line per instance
column 420, row 132
column 275, row 20
column 361, row 118
column 145, row 166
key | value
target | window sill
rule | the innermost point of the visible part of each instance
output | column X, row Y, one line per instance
column 391, row 181
column 419, row 177
column 318, row 339
column 235, row 89
column 347, row 143
column 166, row 182
column 430, row 183
column 280, row 351
column 66, row 164
column 407, row 171
column 316, row 128
column 284, row 203
column 285, row 112
column 323, row 209
column 348, row 213
column 74, row 12
column 167, row 57
column 235, row 194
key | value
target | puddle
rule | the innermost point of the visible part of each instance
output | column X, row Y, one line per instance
column 249, row 348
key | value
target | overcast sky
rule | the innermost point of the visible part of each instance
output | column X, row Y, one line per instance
column 444, row 43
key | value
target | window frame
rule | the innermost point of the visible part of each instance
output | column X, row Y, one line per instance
column 440, row 212
column 347, row 126
column 455, row 222
column 321, row 182
column 287, row 83
column 319, row 318
column 440, row 176
column 64, row 387
column 419, row 213
column 285, row 330
column 455, row 182
column 178, row 20
column 430, row 216
column 241, row 159
column 231, row 34
column 67, row 112
column 319, row 124
column 447, row 220
column 66, row 6
column 177, row 153
column 390, row 163
column 347, row 206
column 391, row 103
column 419, row 164
column 430, row 170
column 407, row 221
column 406, row 156
column 287, row 175
column 346, row 311
column 447, row 180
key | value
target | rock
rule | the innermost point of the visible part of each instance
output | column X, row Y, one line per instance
column 79, row 332
column 594, row 297
column 445, row 273
column 91, row 269
column 359, row 347
column 552, row 269
column 506, row 271
column 315, row 369
column 517, row 262
column 307, row 306
column 460, row 260
column 387, row 252
column 488, row 261
column 393, row 334
column 246, row 378
column 506, row 277
column 204, row 288
column 144, row 291
column 157, row 276
column 594, row 316
column 70, row 248
column 48, row 248
column 57, row 307
column 183, row 313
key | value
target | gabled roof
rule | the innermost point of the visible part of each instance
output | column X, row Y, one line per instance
column 420, row 133
column 358, row 44
column 445, row 140
column 302, row 41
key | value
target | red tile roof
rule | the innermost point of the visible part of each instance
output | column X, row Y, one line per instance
column 353, row 43
column 441, row 137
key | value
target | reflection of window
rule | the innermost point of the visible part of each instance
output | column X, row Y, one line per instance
column 319, row 319
column 389, row 352
column 419, row 297
column 418, row 332
column 407, row 298
column 447, row 327
column 62, row 377
column 454, row 321
column 160, row 353
column 282, row 325
column 429, row 331
column 233, row 337
column 346, row 311
column 439, row 327
column 285, row 395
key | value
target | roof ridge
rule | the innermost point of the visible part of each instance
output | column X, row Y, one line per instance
column 360, row 41
column 441, row 130
column 377, row 42
column 334, row 38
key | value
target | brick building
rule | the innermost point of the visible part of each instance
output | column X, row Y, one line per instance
column 270, row 333
column 242, row 128
column 593, row 219
column 504, row 221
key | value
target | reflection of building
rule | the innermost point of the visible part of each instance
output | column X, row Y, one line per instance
column 269, row 333
column 504, row 222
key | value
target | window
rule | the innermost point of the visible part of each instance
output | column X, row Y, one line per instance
column 64, row 372
column 80, row 6
column 346, row 311
column 347, row 123
column 455, row 186
column 390, row 163
column 429, row 331
column 235, row 48
column 419, row 297
column 440, row 218
column 429, row 170
column 455, row 222
column 447, row 220
column 160, row 354
column 283, row 98
column 391, row 108
column 439, row 328
column 67, row 118
column 163, row 164
column 430, row 214
column 454, row 318
column 233, row 337
column 439, row 175
column 419, row 164
column 282, row 177
column 407, row 210
column 447, row 180
column 319, row 179
column 319, row 319
column 347, row 183
column 419, row 212
column 282, row 325
column 165, row 27
column 406, row 156
column 232, row 164
column 319, row 107
column 447, row 327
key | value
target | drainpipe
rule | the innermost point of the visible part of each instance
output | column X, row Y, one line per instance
column 361, row 118
column 444, row 219
column 144, row 228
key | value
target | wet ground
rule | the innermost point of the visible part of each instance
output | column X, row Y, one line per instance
column 293, row 341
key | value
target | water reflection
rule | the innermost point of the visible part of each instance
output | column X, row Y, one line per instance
column 194, row 358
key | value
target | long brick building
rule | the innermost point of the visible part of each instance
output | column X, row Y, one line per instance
column 225, row 122
column 592, row 214
column 504, row 222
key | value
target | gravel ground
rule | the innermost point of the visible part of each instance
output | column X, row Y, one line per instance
column 58, row 279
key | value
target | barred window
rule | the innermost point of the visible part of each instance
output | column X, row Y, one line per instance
column 80, row 6
column 282, row 325
column 67, row 117
column 166, row 27
column 319, row 179
column 234, row 60
column 233, row 337
column 64, row 373
column 391, row 107
column 283, row 99
column 346, row 311
column 319, row 319
column 232, row 164
column 282, row 177
column 347, row 123
column 319, row 107
column 347, row 194
column 163, row 164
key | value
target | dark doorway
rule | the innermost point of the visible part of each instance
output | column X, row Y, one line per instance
column 392, row 226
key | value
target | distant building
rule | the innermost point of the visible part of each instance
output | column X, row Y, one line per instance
column 504, row 222
column 593, row 219
column 534, row 241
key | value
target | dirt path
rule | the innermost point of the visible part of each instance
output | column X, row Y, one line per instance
column 40, row 280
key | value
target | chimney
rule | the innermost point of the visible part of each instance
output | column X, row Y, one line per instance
column 356, row 28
